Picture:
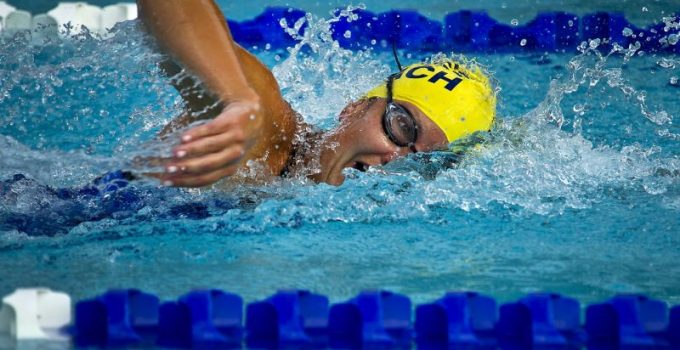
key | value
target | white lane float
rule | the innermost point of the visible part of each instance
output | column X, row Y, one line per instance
column 35, row 313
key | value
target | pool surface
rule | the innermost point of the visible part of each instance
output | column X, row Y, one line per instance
column 577, row 191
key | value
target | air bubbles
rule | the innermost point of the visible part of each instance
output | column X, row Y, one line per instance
column 627, row 32
column 645, row 9
column 674, row 81
column 347, row 34
column 514, row 22
column 523, row 42
column 570, row 23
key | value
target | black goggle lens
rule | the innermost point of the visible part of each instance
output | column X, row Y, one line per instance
column 400, row 125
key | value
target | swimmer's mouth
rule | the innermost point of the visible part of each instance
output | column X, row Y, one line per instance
column 361, row 166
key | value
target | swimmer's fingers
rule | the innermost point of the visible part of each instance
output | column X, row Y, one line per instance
column 198, row 180
column 210, row 144
column 236, row 115
column 207, row 163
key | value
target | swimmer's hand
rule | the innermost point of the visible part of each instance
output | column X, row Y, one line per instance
column 212, row 151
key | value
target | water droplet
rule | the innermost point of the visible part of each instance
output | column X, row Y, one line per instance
column 268, row 46
column 283, row 23
column 673, row 39
column 347, row 34
column 644, row 9
column 514, row 22
column 594, row 43
column 570, row 23
column 579, row 108
column 666, row 63
column 523, row 42
column 674, row 81
column 373, row 41
column 627, row 32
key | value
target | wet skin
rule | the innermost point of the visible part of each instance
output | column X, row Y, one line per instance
column 360, row 140
column 249, row 121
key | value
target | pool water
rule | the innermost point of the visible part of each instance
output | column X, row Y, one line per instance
column 577, row 190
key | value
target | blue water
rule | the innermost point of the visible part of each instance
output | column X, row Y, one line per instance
column 577, row 191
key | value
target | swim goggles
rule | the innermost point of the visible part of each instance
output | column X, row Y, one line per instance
column 399, row 125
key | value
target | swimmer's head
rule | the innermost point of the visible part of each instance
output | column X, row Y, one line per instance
column 458, row 99
column 431, row 107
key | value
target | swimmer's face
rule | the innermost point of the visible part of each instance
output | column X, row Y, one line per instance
column 360, row 141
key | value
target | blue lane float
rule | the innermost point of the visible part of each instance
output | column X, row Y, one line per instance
column 674, row 326
column 202, row 319
column 458, row 318
column 116, row 318
column 629, row 321
column 288, row 319
column 364, row 31
column 468, row 30
column 373, row 319
column 463, row 31
column 541, row 319
column 267, row 27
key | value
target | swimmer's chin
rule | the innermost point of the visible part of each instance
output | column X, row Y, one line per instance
column 330, row 178
column 336, row 179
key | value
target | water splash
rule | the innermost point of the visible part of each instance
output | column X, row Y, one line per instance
column 81, row 92
column 319, row 77
column 533, row 163
column 581, row 161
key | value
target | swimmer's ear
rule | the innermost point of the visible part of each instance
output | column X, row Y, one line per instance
column 355, row 107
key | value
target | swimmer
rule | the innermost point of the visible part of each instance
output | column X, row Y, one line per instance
column 252, row 129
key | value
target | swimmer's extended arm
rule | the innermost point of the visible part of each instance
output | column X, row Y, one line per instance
column 195, row 33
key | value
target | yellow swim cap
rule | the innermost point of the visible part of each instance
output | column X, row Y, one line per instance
column 458, row 99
